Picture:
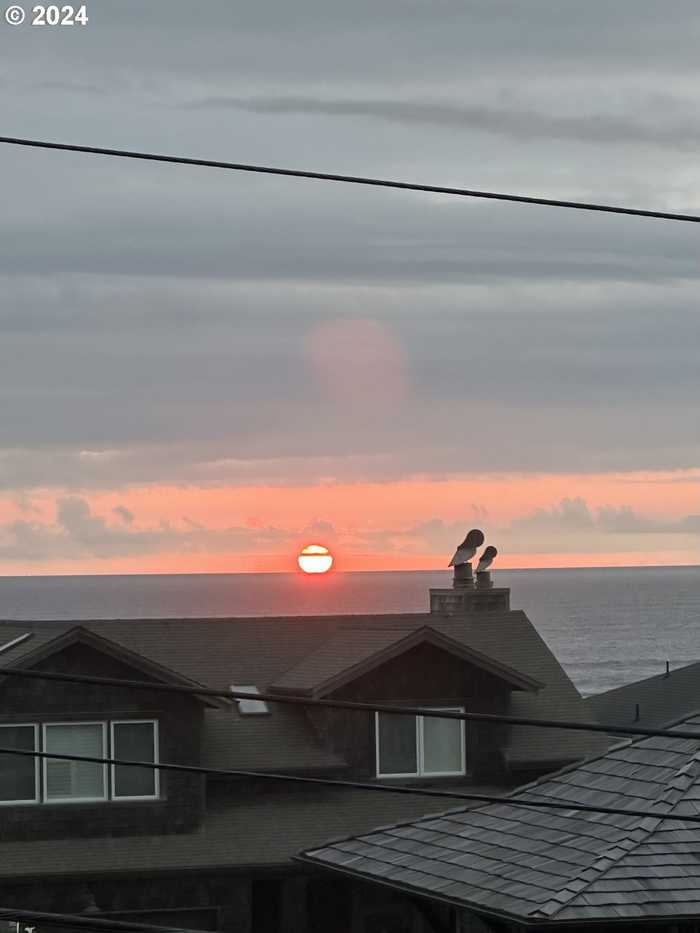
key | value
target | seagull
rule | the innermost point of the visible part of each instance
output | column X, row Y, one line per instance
column 467, row 548
column 486, row 559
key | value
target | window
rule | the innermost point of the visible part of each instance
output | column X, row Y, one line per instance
column 134, row 740
column 15, row 641
column 419, row 746
column 19, row 774
column 65, row 781
column 250, row 707
column 75, row 780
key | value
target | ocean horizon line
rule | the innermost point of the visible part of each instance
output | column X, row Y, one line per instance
column 334, row 573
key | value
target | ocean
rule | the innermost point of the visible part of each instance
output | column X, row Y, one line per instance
column 606, row 626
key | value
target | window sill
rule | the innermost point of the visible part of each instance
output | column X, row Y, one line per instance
column 425, row 780
column 54, row 805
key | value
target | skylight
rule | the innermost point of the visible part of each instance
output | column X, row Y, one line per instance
column 15, row 641
column 250, row 707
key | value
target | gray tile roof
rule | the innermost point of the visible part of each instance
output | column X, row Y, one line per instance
column 555, row 866
column 221, row 652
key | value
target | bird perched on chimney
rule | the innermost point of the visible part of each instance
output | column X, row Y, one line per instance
column 467, row 548
column 486, row 558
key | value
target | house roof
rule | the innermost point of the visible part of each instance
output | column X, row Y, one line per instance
column 43, row 648
column 263, row 651
column 549, row 867
column 349, row 654
column 656, row 701
column 243, row 827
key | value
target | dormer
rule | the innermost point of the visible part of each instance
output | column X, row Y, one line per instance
column 428, row 668
column 45, row 798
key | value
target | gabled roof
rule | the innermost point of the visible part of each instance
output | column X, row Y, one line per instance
column 35, row 652
column 350, row 654
column 220, row 652
column 548, row 867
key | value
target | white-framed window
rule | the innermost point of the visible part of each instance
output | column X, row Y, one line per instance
column 19, row 774
column 25, row 779
column 135, row 740
column 420, row 746
column 74, row 781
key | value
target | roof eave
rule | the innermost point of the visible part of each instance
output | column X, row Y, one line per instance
column 425, row 634
column 536, row 919
column 79, row 634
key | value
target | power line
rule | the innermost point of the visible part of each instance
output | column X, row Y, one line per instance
column 354, row 785
column 81, row 921
column 572, row 725
column 331, row 782
column 348, row 179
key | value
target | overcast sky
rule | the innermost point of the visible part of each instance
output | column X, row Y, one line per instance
column 202, row 369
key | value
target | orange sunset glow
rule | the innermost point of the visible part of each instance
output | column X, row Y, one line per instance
column 536, row 520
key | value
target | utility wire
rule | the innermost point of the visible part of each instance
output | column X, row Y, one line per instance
column 82, row 921
column 354, row 785
column 622, row 730
column 347, row 179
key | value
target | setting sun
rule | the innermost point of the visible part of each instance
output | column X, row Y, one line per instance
column 315, row 558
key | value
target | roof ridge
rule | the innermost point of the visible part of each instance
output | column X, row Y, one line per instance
column 672, row 793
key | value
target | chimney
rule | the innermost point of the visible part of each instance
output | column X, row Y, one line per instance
column 463, row 578
column 464, row 597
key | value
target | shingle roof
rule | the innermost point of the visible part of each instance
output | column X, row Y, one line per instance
column 220, row 652
column 243, row 827
column 661, row 700
column 555, row 866
column 349, row 653
column 36, row 650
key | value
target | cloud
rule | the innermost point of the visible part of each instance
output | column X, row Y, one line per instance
column 158, row 321
column 124, row 514
column 574, row 515
column 521, row 123
column 568, row 515
column 570, row 524
column 78, row 533
column 158, row 403
column 432, row 536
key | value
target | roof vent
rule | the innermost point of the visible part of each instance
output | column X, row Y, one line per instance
column 250, row 707
column 15, row 642
column 464, row 596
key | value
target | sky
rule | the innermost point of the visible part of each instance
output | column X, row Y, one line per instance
column 204, row 371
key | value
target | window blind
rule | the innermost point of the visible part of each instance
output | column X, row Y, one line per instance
column 75, row 780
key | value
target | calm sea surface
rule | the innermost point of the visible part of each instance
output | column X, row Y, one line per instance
column 607, row 627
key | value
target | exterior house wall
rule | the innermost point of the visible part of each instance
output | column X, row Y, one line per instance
column 180, row 806
column 423, row 676
column 218, row 901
